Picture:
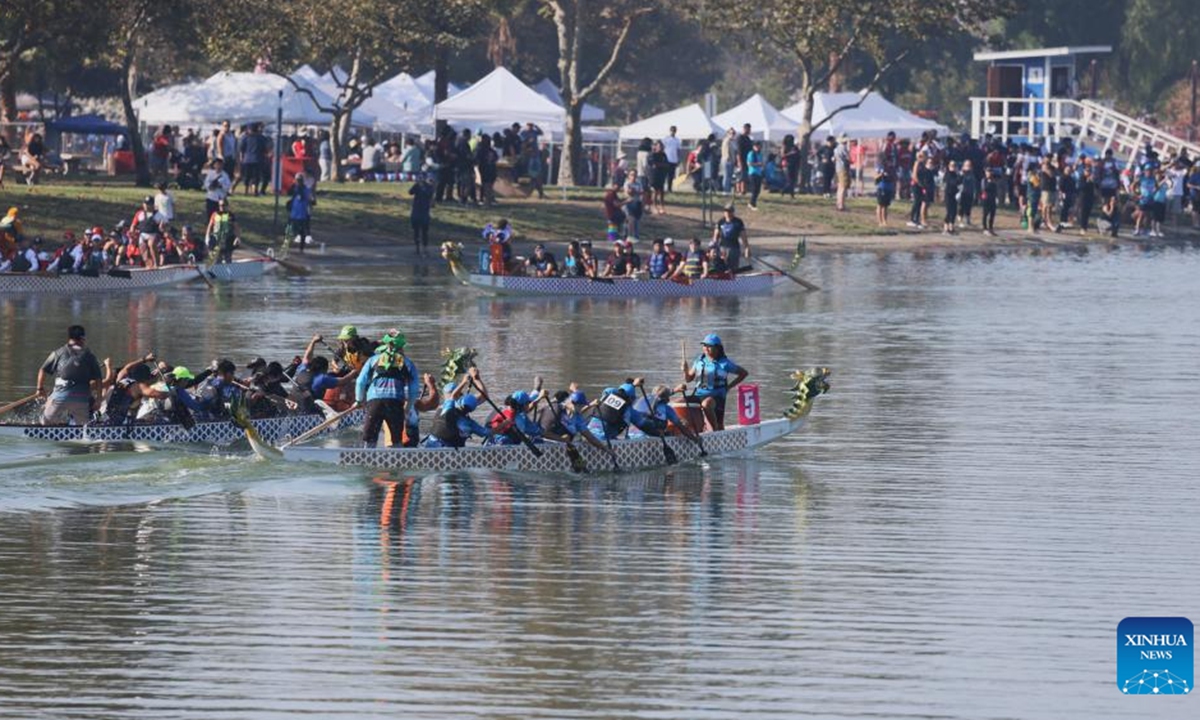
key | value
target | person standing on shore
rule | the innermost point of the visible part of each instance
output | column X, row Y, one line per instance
column 728, row 160
column 841, row 170
column 217, row 186
column 951, row 185
column 756, row 162
column 745, row 144
column 421, row 213
column 989, row 195
column 790, row 156
column 968, row 192
column 1087, row 198
column 300, row 206
column 885, row 190
column 77, row 378
column 670, row 147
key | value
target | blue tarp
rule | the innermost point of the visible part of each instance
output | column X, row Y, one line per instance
column 86, row 125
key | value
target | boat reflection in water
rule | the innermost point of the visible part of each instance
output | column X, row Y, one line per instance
column 506, row 517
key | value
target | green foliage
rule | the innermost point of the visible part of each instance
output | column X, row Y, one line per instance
column 1158, row 46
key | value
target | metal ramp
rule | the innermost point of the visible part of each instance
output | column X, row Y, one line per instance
column 1097, row 126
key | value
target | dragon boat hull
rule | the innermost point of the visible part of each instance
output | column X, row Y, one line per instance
column 632, row 455
column 241, row 269
column 210, row 432
column 745, row 284
column 131, row 279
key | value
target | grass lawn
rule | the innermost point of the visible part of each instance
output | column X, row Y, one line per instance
column 375, row 213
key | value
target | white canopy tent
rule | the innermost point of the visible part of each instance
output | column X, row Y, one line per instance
column 426, row 84
column 383, row 109
column 690, row 121
column 766, row 122
column 547, row 89
column 497, row 101
column 871, row 120
column 239, row 97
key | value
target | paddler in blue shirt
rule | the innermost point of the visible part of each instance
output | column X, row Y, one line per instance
column 387, row 382
column 562, row 418
column 662, row 415
column 453, row 426
column 716, row 375
column 615, row 413
column 513, row 421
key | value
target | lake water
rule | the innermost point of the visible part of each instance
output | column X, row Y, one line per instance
column 1006, row 467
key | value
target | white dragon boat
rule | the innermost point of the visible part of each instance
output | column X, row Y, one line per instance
column 207, row 432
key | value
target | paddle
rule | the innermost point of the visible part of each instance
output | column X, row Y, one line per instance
column 240, row 416
column 296, row 268
column 537, row 451
column 18, row 404
column 799, row 281
column 668, row 454
column 578, row 464
column 204, row 276
column 317, row 430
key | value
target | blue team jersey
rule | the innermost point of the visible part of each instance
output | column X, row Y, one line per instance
column 713, row 375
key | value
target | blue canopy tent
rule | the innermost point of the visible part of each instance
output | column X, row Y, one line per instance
column 86, row 125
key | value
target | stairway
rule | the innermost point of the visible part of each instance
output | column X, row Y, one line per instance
column 1125, row 135
column 1097, row 126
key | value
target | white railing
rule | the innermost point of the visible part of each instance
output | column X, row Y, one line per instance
column 1084, row 121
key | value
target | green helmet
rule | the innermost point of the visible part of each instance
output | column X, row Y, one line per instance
column 349, row 332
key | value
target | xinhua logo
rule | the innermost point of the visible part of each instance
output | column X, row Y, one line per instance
column 1154, row 656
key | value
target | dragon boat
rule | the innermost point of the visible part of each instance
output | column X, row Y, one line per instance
column 552, row 457
column 13, row 283
column 742, row 283
column 207, row 432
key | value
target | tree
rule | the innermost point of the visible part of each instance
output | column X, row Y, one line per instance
column 821, row 36
column 26, row 25
column 371, row 40
column 1158, row 46
column 573, row 19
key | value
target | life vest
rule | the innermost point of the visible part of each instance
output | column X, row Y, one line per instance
column 390, row 365
column 611, row 412
column 445, row 427
column 658, row 264
column 693, row 266
column 147, row 225
column 223, row 227
column 496, row 264
column 119, row 402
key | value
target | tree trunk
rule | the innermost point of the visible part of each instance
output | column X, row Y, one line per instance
column 807, row 92
column 141, row 167
column 441, row 84
column 339, row 135
column 572, row 149
column 8, row 100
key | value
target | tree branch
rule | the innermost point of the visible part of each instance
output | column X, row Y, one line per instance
column 616, row 51
column 866, row 91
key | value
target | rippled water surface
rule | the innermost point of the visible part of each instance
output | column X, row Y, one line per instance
column 1007, row 466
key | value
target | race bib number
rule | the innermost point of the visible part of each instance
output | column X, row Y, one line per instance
column 615, row 402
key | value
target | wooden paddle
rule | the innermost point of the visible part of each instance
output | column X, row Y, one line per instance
column 799, row 281
column 18, row 404
column 537, row 451
column 317, row 430
column 668, row 453
column 204, row 276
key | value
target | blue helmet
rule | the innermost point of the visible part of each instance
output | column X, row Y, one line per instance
column 468, row 402
column 712, row 339
column 521, row 398
column 578, row 398
column 628, row 390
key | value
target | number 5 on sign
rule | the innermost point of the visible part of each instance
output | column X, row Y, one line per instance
column 748, row 413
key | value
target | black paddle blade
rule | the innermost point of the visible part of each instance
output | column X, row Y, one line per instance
column 537, row 451
column 577, row 463
column 669, row 454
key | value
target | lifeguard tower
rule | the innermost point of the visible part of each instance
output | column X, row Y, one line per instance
column 1035, row 95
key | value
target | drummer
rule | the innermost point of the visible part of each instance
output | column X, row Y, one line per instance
column 715, row 375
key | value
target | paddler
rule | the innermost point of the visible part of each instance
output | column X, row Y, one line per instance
column 388, row 381
column 614, row 413
column 562, row 418
column 513, row 420
column 167, row 400
column 715, row 375
column 662, row 416
column 77, row 378
column 453, row 426
column 221, row 391
column 128, row 392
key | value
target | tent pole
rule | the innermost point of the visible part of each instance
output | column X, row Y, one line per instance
column 278, row 160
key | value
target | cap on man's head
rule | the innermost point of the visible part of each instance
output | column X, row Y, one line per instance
column 348, row 332
column 182, row 373
column 578, row 398
column 711, row 340
column 256, row 363
column 76, row 332
column 669, row 241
